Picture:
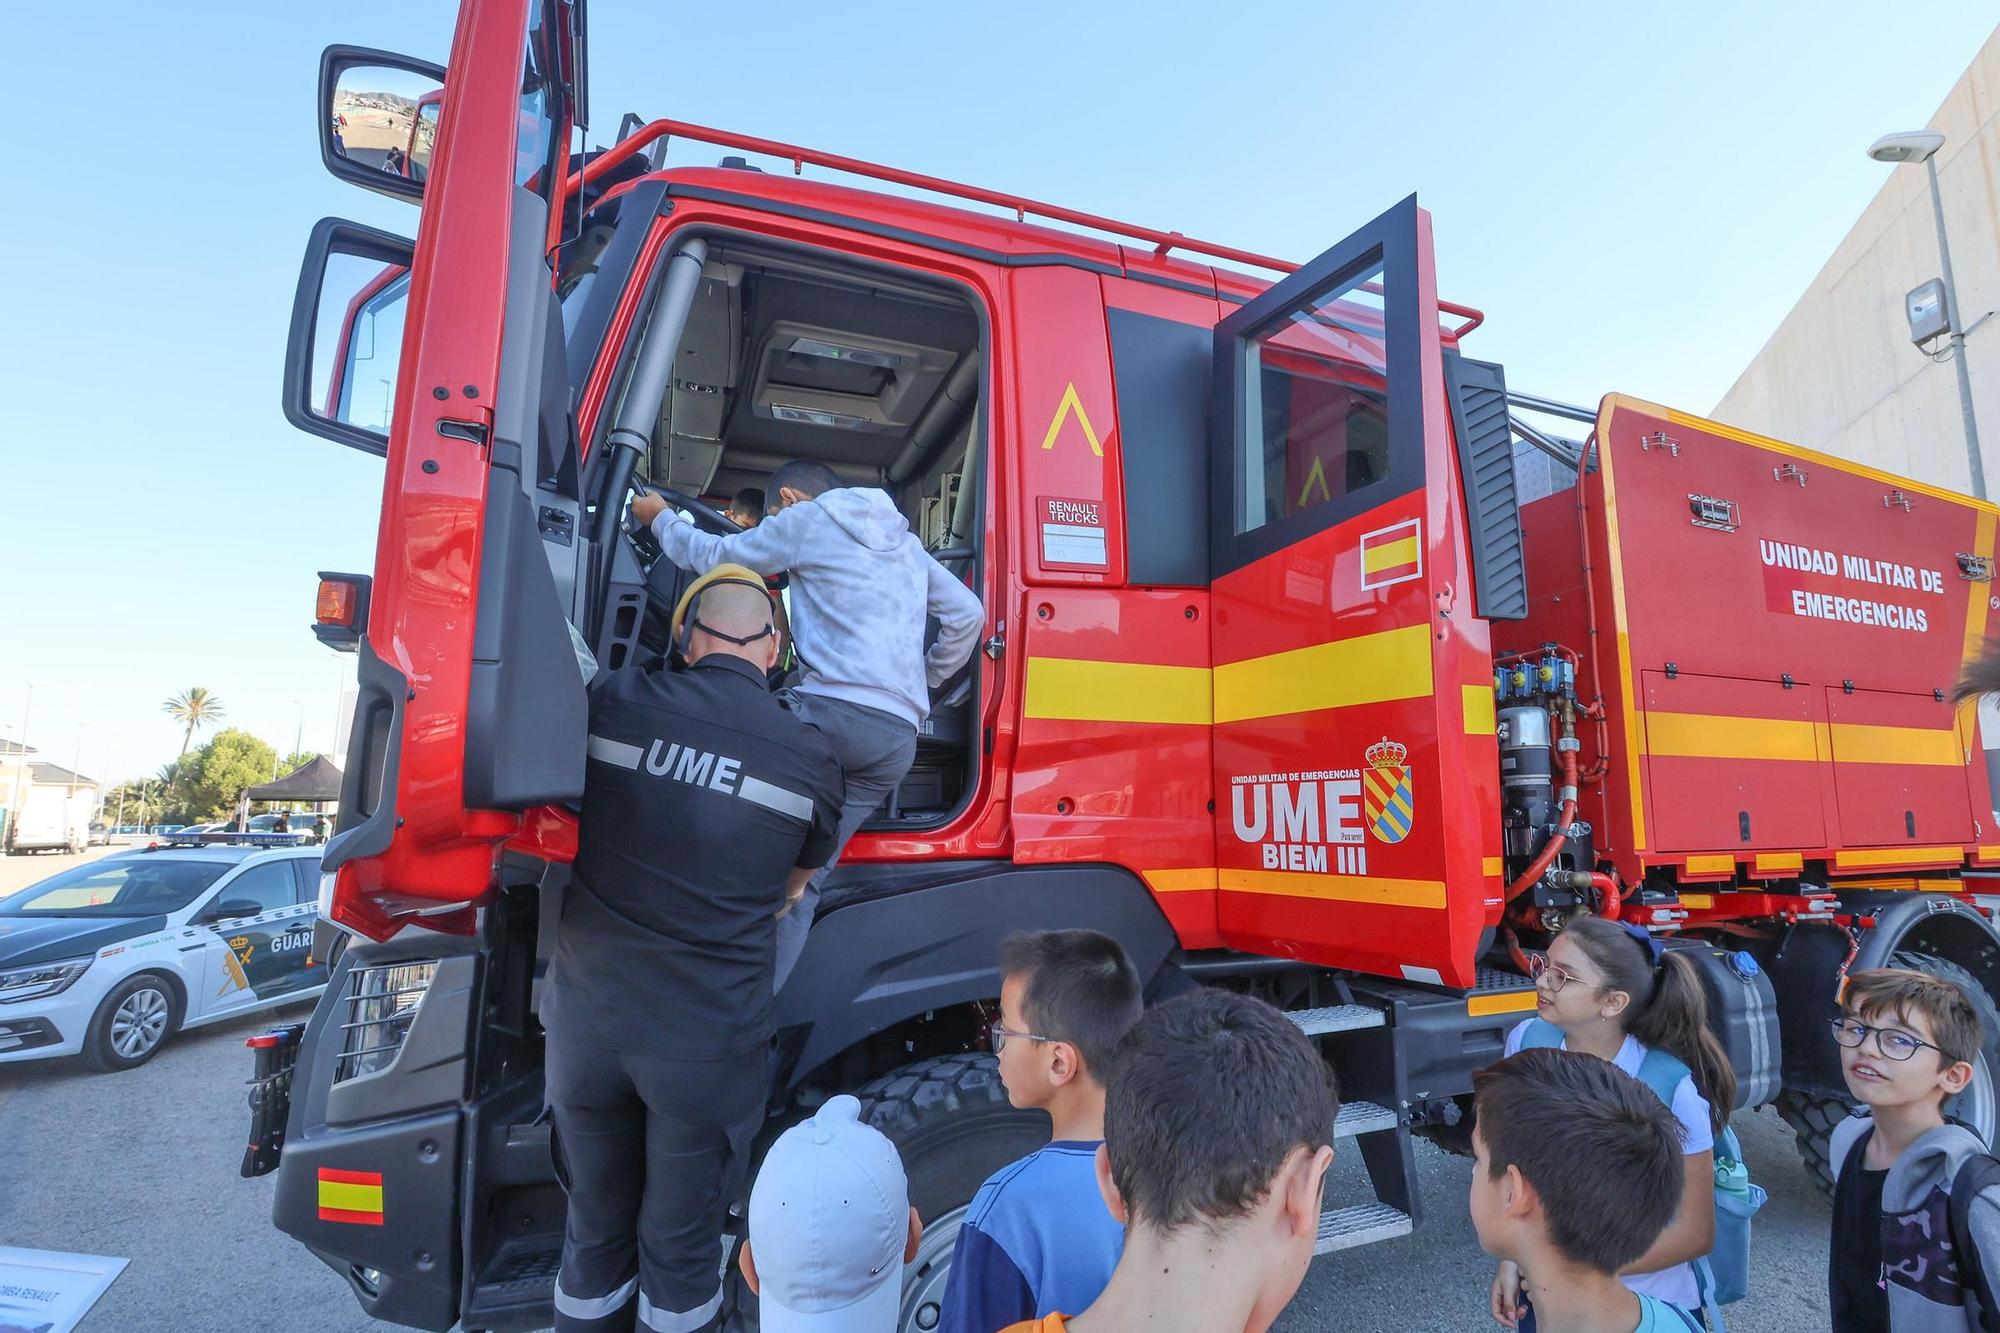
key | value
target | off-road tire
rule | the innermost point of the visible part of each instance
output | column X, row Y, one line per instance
column 99, row 1051
column 1813, row 1118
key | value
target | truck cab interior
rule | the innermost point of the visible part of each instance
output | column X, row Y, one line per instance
column 789, row 354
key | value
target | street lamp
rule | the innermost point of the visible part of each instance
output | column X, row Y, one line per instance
column 1921, row 146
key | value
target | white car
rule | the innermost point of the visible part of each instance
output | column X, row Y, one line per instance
column 106, row 960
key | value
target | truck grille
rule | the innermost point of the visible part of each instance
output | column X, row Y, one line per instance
column 377, row 1009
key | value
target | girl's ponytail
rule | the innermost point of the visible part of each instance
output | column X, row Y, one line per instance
column 1676, row 1020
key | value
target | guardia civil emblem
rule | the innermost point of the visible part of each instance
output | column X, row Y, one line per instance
column 1385, row 791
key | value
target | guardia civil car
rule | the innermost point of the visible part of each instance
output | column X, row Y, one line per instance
column 107, row 960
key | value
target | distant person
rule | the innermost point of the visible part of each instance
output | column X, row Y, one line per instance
column 862, row 587
column 832, row 1227
column 1613, row 991
column 1908, row 1040
column 284, row 822
column 1576, row 1170
column 319, row 828
column 1037, row 1237
column 747, row 509
column 1217, row 1136
column 393, row 162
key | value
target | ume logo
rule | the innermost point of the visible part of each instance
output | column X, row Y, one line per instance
column 1296, row 818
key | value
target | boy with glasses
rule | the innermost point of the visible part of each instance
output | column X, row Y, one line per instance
column 1037, row 1238
column 1908, row 1040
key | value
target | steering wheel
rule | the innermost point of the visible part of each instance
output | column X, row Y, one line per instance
column 705, row 518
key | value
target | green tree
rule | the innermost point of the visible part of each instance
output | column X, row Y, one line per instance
column 208, row 782
column 193, row 708
column 293, row 762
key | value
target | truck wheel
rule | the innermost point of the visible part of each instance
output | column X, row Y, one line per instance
column 950, row 1120
column 1813, row 1118
column 132, row 1023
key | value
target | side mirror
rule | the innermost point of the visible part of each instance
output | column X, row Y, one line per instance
column 230, row 908
column 378, row 118
column 346, row 340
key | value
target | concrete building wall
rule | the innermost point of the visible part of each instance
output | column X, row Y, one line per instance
column 1840, row 373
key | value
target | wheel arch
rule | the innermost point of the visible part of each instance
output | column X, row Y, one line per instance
column 175, row 982
column 893, row 944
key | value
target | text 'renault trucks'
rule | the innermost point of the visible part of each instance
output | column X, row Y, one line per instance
column 1303, row 673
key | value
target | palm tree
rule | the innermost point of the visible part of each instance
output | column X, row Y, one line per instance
column 193, row 708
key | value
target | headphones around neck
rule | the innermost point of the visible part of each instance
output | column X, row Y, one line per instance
column 687, row 614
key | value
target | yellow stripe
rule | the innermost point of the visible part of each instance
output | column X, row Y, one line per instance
column 1854, row 744
column 1373, row 668
column 1899, row 856
column 1180, row 881
column 1388, row 555
column 1706, row 736
column 1988, row 853
column 1335, row 888
column 1478, row 1006
column 1976, row 598
column 1618, row 622
column 1478, row 702
column 1699, row 901
column 1492, row 866
column 1767, row 861
column 1710, row 865
column 1070, row 689
column 350, row 1198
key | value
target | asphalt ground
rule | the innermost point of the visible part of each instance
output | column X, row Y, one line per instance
column 144, row 1166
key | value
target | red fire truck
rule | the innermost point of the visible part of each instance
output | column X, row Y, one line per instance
column 1313, row 667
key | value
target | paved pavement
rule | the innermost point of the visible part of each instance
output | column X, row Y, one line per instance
column 143, row 1166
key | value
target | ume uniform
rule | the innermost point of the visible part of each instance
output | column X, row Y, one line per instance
column 702, row 794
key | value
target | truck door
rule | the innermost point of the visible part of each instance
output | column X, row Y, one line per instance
column 471, row 706
column 1344, row 646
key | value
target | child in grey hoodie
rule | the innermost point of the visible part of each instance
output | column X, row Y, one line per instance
column 862, row 586
column 1908, row 1040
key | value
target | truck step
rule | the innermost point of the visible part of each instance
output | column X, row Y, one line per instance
column 1357, row 1118
column 1360, row 1224
column 1336, row 1018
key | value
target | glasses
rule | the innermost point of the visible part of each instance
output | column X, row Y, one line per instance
column 1000, row 1035
column 1893, row 1044
column 1539, row 966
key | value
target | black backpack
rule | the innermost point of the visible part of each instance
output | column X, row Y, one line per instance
column 1976, row 1174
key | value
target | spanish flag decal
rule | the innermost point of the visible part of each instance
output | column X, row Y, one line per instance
column 350, row 1196
column 1392, row 555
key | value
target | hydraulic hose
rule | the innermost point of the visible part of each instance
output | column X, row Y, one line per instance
column 1564, row 818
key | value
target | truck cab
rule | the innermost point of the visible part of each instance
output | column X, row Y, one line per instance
column 1256, row 579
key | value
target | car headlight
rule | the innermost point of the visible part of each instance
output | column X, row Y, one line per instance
column 381, row 1003
column 40, row 979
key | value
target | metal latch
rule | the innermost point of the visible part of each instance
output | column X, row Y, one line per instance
column 1659, row 439
column 1711, row 512
column 1897, row 500
column 1789, row 472
column 996, row 645
column 1977, row 568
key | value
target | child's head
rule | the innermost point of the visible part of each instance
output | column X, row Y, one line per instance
column 1603, row 972
column 1571, row 1151
column 1219, row 1116
column 747, row 508
column 1067, row 998
column 830, row 1227
column 1906, row 1037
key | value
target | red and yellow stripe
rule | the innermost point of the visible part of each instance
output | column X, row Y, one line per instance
column 350, row 1196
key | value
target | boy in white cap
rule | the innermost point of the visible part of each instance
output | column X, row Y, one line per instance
column 831, row 1220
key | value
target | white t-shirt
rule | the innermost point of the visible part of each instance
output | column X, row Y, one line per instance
column 1675, row 1285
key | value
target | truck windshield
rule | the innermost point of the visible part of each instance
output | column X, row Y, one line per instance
column 117, row 888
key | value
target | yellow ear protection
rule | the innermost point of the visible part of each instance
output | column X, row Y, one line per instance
column 687, row 614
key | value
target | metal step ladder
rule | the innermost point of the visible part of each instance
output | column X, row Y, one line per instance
column 1360, row 1043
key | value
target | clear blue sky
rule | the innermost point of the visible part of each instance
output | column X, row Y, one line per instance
column 1635, row 198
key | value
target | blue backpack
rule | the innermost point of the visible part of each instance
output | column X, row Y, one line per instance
column 1723, row 1274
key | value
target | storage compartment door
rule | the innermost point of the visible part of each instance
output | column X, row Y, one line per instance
column 1731, row 765
column 1899, row 766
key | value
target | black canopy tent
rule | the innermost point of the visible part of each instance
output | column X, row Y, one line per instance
column 315, row 783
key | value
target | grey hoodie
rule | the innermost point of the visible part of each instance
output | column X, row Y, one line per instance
column 1917, row 1265
column 861, row 586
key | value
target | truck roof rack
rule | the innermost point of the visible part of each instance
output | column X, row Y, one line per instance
column 1161, row 241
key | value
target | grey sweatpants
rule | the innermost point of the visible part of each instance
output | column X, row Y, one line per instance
column 875, row 750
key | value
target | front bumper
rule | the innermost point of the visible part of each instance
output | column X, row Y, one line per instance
column 48, row 1028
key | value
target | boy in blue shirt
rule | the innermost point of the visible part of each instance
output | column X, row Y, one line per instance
column 1576, row 1172
column 1037, row 1238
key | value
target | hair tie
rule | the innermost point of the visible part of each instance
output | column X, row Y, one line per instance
column 1655, row 951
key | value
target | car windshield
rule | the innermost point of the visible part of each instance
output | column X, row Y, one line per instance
column 117, row 888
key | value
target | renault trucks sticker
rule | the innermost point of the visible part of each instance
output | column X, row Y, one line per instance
column 1824, row 584
column 1319, row 821
column 1073, row 532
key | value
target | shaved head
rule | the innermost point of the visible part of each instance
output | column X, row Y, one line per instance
column 735, row 609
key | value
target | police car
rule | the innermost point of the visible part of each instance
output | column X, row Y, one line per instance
column 108, row 959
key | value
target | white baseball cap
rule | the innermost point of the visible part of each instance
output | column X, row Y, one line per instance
column 829, row 1216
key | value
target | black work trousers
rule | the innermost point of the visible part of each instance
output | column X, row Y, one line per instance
column 650, row 1151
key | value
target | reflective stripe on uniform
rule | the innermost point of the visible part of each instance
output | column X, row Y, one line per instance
column 615, row 752
column 594, row 1307
column 685, row 1321
column 781, row 799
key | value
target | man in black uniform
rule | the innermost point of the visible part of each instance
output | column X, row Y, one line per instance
column 706, row 808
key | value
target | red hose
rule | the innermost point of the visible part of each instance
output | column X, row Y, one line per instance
column 1610, row 901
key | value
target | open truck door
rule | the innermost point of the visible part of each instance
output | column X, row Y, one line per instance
column 471, row 705
column 1352, row 678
